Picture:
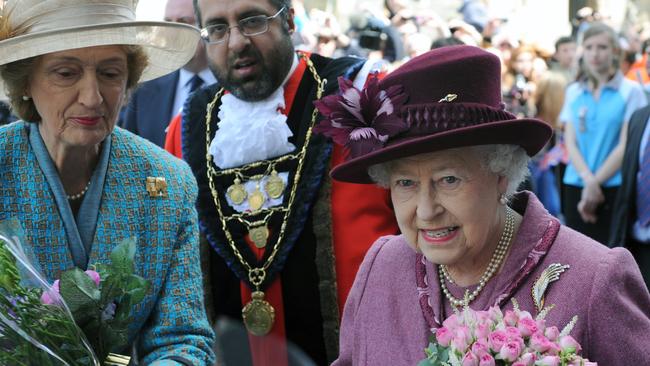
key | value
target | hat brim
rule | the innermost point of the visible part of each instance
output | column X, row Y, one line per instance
column 530, row 134
column 168, row 45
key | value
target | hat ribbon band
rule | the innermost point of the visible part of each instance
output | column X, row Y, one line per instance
column 76, row 16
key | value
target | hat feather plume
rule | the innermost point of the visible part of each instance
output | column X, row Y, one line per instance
column 5, row 25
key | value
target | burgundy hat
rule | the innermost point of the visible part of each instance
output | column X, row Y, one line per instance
column 446, row 98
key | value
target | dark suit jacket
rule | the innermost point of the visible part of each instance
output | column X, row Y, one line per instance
column 624, row 212
column 150, row 108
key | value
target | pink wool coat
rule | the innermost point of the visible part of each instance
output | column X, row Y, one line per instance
column 383, row 322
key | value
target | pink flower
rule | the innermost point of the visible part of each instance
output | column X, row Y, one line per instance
column 451, row 323
column 462, row 338
column 486, row 360
column 495, row 314
column 51, row 296
column 527, row 326
column 510, row 351
column 470, row 359
column 549, row 361
column 480, row 347
column 482, row 330
column 527, row 359
column 511, row 318
column 552, row 333
column 539, row 343
column 94, row 276
column 444, row 336
column 362, row 120
column 514, row 335
column 568, row 344
column 496, row 340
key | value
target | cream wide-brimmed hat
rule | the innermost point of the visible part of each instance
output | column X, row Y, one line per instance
column 31, row 28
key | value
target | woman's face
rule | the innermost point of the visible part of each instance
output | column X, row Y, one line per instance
column 598, row 54
column 446, row 204
column 78, row 94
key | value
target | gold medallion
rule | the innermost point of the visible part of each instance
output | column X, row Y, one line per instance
column 258, row 315
column 259, row 235
column 256, row 199
column 237, row 192
column 274, row 185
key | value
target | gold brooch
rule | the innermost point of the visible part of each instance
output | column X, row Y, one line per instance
column 157, row 186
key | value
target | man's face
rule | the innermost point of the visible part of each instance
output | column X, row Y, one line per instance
column 182, row 11
column 565, row 53
column 253, row 67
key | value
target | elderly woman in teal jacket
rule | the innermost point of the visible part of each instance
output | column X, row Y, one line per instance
column 78, row 184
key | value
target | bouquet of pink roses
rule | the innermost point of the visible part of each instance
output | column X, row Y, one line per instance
column 491, row 338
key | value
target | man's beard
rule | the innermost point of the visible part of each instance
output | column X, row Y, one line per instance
column 274, row 70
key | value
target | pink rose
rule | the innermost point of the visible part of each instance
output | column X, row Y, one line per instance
column 539, row 343
column 496, row 340
column 527, row 326
column 514, row 335
column 51, row 297
column 510, row 318
column 444, row 336
column 94, row 276
column 470, row 359
column 527, row 359
column 553, row 349
column 482, row 330
column 549, row 361
column 462, row 339
column 486, row 360
column 510, row 351
column 552, row 333
column 480, row 347
column 451, row 323
column 568, row 344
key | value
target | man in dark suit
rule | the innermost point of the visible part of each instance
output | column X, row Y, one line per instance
column 631, row 213
column 156, row 102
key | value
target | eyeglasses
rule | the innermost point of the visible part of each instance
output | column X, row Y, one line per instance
column 251, row 26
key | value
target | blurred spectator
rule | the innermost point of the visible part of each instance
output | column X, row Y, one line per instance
column 5, row 113
column 375, row 37
column 595, row 115
column 580, row 21
column 465, row 32
column 564, row 58
column 519, row 83
column 442, row 42
column 330, row 42
column 475, row 13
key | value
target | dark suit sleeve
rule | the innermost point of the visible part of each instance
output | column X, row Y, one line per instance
column 128, row 117
column 623, row 212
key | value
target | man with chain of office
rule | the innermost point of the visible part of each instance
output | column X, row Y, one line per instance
column 287, row 241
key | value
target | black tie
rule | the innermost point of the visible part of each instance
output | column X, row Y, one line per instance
column 195, row 82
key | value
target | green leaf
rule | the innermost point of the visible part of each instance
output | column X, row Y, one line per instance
column 79, row 291
column 122, row 256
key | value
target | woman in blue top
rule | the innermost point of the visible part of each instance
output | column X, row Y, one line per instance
column 78, row 184
column 595, row 115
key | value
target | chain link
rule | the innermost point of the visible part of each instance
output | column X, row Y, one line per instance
column 257, row 275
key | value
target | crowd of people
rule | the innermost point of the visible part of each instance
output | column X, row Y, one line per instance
column 485, row 151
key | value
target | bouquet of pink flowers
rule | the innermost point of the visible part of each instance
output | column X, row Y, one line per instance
column 491, row 338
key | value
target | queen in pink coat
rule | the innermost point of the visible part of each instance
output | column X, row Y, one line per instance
column 436, row 134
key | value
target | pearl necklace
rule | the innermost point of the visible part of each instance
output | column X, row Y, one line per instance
column 493, row 266
column 74, row 197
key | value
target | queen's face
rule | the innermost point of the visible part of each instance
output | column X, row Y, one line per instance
column 78, row 94
column 447, row 205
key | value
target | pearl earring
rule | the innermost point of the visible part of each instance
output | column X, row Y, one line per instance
column 502, row 199
column 26, row 98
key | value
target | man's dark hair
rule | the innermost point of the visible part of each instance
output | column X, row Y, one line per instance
column 278, row 4
column 564, row 40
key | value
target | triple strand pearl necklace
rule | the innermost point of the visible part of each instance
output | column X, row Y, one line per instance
column 493, row 266
column 74, row 197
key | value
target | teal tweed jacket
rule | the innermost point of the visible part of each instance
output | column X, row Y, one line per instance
column 170, row 324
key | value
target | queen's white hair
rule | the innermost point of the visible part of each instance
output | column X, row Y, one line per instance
column 510, row 161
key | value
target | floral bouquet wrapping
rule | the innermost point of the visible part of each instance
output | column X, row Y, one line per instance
column 491, row 338
column 78, row 320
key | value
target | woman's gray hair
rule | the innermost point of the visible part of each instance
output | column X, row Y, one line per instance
column 510, row 161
